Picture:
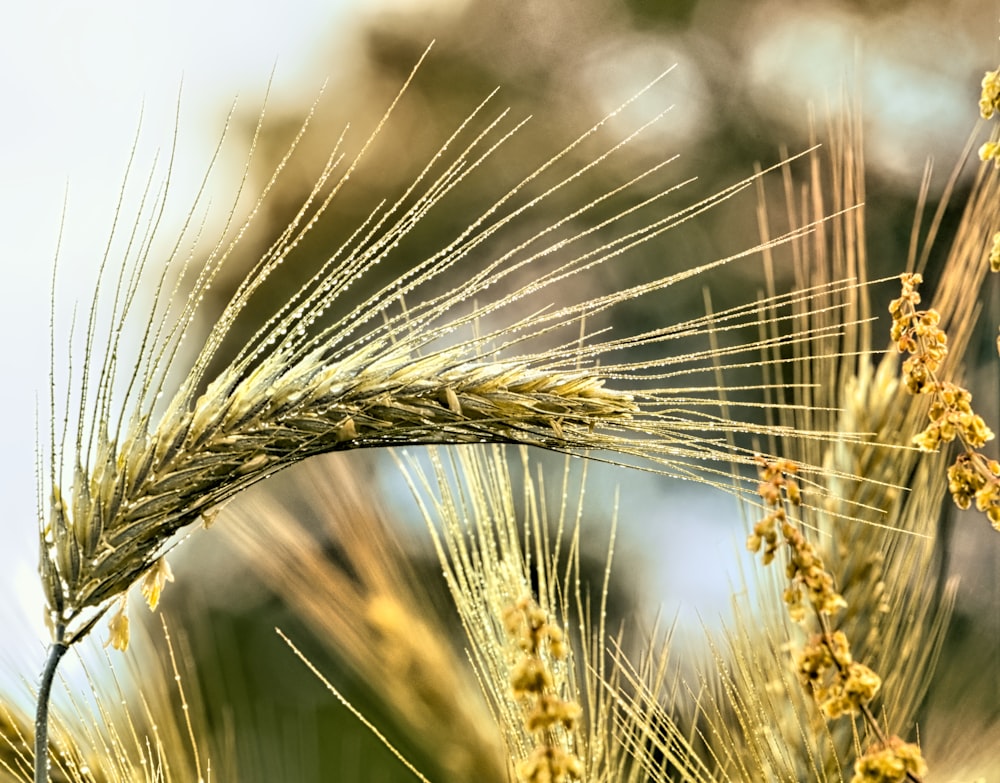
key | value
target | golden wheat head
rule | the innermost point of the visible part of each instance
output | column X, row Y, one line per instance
column 403, row 365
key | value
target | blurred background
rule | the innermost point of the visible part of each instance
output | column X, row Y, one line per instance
column 79, row 80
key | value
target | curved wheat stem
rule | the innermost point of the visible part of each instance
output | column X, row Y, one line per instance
column 56, row 652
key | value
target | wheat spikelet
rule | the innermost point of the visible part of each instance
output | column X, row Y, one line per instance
column 195, row 460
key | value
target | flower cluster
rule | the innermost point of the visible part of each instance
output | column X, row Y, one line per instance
column 990, row 151
column 533, row 684
column 804, row 569
column 968, row 481
column 952, row 416
column 989, row 99
column 825, row 667
column 774, row 487
column 916, row 332
column 840, row 685
column 989, row 103
column 891, row 762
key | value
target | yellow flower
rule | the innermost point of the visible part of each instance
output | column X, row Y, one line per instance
column 990, row 151
column 989, row 99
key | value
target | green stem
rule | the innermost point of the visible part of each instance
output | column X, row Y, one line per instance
column 56, row 652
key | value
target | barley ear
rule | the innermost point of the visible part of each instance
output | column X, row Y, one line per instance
column 141, row 457
column 148, row 465
column 369, row 607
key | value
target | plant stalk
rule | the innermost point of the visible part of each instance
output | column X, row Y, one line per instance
column 56, row 651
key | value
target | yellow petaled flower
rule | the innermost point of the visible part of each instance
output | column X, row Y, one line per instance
column 154, row 581
column 989, row 99
column 118, row 628
column 995, row 253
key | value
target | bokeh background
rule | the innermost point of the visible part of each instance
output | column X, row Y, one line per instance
column 76, row 79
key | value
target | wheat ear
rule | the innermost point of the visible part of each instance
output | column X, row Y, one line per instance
column 305, row 385
column 537, row 642
column 386, row 372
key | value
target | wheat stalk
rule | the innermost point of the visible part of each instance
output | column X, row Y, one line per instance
column 139, row 724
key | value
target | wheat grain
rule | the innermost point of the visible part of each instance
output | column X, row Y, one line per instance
column 121, row 516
